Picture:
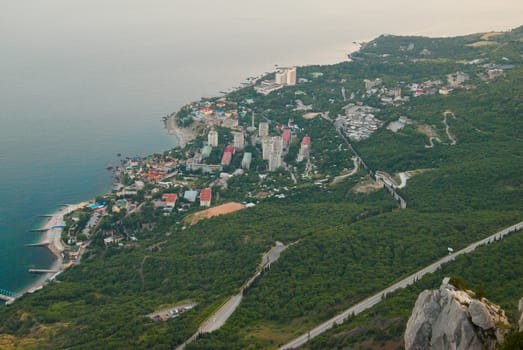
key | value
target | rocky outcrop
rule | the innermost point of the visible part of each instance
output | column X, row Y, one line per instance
column 449, row 318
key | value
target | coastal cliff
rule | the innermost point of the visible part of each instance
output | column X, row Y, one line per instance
column 450, row 318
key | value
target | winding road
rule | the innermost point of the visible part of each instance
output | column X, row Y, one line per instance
column 447, row 127
column 376, row 298
column 340, row 178
column 218, row 319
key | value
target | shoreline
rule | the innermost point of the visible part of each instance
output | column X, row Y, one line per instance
column 53, row 236
column 183, row 135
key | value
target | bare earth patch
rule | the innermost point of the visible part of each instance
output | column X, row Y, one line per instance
column 368, row 185
column 482, row 43
column 412, row 173
column 489, row 35
column 310, row 115
column 262, row 195
column 427, row 130
column 223, row 209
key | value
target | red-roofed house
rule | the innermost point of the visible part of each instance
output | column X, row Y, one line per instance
column 205, row 197
column 170, row 199
column 306, row 141
column 305, row 149
column 206, row 110
column 230, row 149
column 226, row 159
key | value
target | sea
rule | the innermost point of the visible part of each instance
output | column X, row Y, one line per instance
column 81, row 81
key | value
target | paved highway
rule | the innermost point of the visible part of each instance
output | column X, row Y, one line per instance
column 376, row 298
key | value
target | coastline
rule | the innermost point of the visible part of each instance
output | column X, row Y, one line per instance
column 183, row 135
column 52, row 238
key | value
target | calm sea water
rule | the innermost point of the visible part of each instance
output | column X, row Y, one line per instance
column 83, row 80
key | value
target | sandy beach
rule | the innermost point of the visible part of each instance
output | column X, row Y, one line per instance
column 53, row 237
column 183, row 135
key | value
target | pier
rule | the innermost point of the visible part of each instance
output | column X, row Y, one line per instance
column 40, row 244
column 42, row 271
column 39, row 230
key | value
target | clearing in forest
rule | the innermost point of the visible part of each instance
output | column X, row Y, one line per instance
column 226, row 208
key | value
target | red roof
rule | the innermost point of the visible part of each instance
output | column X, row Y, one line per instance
column 230, row 149
column 306, row 141
column 286, row 135
column 226, row 159
column 170, row 197
column 205, row 195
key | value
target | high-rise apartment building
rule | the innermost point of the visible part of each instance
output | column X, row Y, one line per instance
column 212, row 138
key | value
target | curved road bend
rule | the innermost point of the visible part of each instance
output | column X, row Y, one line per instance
column 218, row 319
column 376, row 298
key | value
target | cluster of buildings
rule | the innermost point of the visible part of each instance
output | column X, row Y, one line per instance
column 169, row 200
column 282, row 77
column 274, row 148
column 150, row 169
column 359, row 122
column 220, row 113
column 394, row 95
column 387, row 96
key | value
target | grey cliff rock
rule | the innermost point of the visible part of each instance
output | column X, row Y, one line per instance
column 452, row 319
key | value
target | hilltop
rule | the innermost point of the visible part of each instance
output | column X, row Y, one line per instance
column 366, row 171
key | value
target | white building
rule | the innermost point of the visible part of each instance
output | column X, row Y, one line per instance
column 285, row 76
column 273, row 151
column 275, row 161
column 281, row 77
column 267, row 143
column 212, row 138
column 291, row 76
column 369, row 84
column 239, row 140
column 277, row 146
column 263, row 129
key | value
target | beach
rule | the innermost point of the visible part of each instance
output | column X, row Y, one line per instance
column 183, row 135
column 52, row 238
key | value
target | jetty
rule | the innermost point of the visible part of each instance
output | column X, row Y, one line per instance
column 39, row 244
column 39, row 230
column 43, row 271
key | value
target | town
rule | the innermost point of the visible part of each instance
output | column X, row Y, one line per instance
column 243, row 150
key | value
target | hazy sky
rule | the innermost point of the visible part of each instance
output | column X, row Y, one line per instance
column 108, row 52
